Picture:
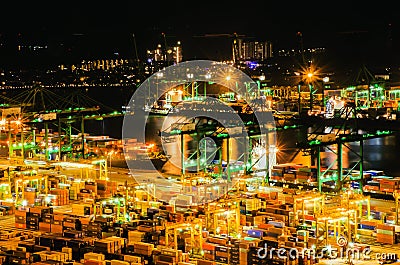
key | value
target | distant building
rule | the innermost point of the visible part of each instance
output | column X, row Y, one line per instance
column 100, row 64
column 156, row 55
column 165, row 55
column 244, row 50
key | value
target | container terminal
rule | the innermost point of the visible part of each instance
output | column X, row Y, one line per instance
column 61, row 206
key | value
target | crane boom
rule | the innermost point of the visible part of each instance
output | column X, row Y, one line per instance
column 136, row 51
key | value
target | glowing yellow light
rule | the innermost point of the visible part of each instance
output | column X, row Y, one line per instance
column 228, row 78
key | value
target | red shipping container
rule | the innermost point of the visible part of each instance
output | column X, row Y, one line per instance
column 309, row 217
column 208, row 246
column 93, row 262
column 371, row 188
column 264, row 226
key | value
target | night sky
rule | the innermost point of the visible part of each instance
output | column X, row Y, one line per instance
column 351, row 29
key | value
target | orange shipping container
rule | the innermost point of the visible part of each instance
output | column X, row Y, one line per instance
column 385, row 227
column 386, row 239
column 20, row 213
column 265, row 226
column 56, row 228
column 208, row 246
column 45, row 227
column 21, row 226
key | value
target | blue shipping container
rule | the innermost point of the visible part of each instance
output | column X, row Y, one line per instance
column 255, row 233
column 368, row 227
column 355, row 185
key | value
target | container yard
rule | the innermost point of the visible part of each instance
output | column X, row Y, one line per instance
column 99, row 221
column 225, row 211
column 63, row 201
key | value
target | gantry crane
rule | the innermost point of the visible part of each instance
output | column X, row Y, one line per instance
column 41, row 108
column 226, row 212
column 317, row 200
column 342, row 217
column 331, row 133
column 172, row 231
column 39, row 184
column 116, row 202
column 202, row 129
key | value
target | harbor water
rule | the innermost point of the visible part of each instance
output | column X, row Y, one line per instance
column 379, row 154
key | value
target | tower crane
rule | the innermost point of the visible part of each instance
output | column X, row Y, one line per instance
column 165, row 47
column 300, row 36
column 140, row 70
column 165, row 40
column 135, row 47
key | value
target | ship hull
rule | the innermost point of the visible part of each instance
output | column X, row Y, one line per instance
column 139, row 164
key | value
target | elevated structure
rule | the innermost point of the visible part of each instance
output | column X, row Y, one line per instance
column 41, row 112
column 327, row 135
column 213, row 154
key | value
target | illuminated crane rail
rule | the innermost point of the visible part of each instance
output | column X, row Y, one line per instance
column 360, row 123
column 71, row 115
column 345, row 138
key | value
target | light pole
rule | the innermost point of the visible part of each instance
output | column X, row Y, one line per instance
column 299, row 97
column 396, row 196
column 272, row 151
column 190, row 77
column 261, row 79
column 301, row 83
column 325, row 81
column 208, row 77
column 159, row 75
column 309, row 77
column 110, row 155
column 310, row 86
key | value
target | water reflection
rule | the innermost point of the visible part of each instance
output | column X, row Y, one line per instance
column 379, row 153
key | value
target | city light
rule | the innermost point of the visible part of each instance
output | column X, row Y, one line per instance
column 305, row 182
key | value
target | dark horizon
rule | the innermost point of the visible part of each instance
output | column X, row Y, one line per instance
column 351, row 46
column 353, row 33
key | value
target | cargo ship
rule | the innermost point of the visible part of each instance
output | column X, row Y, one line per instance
column 157, row 161
column 137, row 154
